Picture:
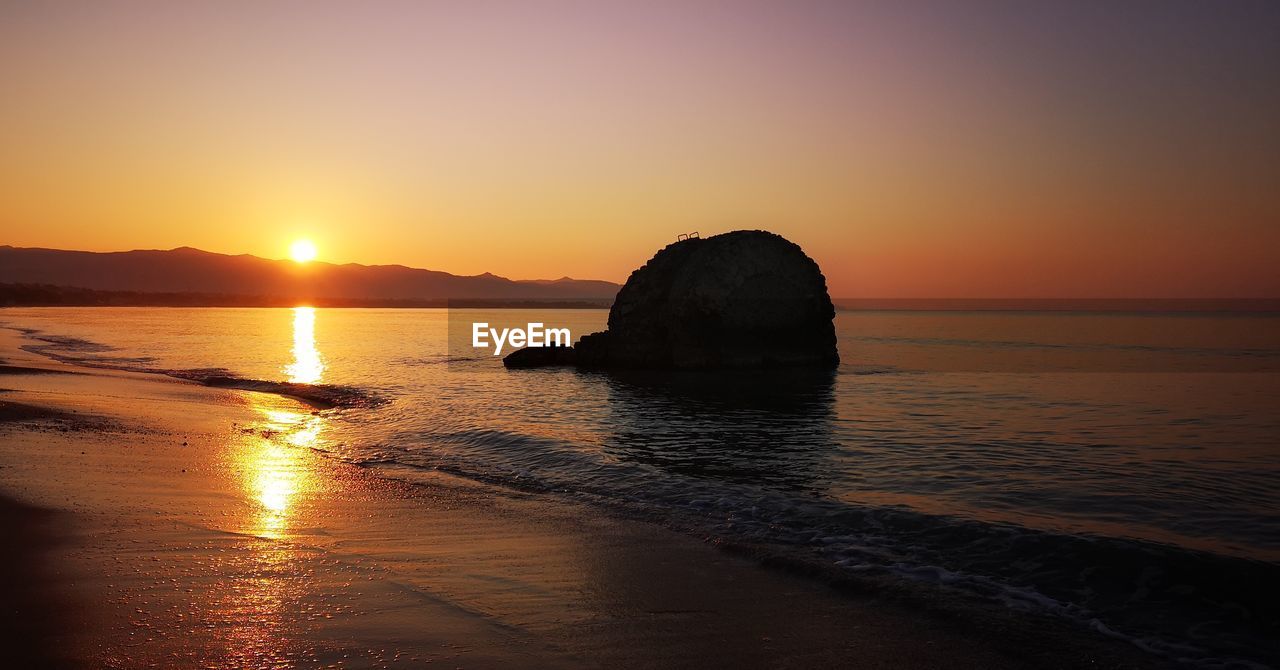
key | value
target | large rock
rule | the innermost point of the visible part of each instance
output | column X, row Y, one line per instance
column 743, row 299
column 540, row 357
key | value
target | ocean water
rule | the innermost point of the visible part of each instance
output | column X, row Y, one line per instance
column 1121, row 471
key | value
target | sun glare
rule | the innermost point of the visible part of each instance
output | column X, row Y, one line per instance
column 302, row 251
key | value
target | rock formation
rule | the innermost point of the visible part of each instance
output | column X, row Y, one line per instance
column 743, row 299
column 540, row 357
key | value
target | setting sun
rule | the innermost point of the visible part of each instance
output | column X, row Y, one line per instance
column 302, row 251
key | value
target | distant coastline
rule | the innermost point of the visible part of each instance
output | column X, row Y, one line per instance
column 49, row 295
column 191, row 277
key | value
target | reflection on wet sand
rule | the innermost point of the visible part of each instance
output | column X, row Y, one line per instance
column 275, row 472
column 264, row 609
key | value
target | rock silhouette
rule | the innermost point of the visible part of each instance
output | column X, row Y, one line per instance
column 745, row 299
column 540, row 357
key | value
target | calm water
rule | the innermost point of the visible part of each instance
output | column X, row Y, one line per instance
column 1119, row 470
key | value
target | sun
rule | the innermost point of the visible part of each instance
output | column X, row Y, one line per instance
column 302, row 251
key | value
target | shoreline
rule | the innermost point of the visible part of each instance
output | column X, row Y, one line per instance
column 333, row 563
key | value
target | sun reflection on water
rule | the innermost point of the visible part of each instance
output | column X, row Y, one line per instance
column 307, row 366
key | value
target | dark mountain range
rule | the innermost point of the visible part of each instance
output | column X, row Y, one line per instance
column 191, row 271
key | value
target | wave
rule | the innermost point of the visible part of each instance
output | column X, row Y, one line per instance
column 86, row 353
column 1195, row 607
column 320, row 396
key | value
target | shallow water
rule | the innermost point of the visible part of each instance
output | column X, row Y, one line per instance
column 1119, row 470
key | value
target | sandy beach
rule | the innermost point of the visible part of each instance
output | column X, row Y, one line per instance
column 160, row 523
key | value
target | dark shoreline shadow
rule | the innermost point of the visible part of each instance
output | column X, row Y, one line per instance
column 34, row 621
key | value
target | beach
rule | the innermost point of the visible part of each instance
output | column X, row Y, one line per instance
column 162, row 523
column 640, row 335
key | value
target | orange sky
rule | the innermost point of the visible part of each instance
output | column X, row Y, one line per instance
column 1003, row 150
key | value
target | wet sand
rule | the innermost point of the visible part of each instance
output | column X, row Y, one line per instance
column 161, row 523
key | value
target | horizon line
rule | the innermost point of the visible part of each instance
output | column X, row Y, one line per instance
column 1272, row 302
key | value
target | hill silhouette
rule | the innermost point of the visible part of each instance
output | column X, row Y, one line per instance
column 191, row 271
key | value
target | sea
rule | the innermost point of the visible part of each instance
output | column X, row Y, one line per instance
column 1120, row 471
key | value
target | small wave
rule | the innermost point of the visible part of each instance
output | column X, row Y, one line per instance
column 1205, row 609
column 864, row 369
column 87, row 353
column 442, row 359
column 321, row 396
column 77, row 351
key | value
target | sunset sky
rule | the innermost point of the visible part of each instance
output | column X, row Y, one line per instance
column 914, row 149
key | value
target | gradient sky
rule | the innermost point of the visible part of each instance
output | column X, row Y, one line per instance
column 914, row 149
